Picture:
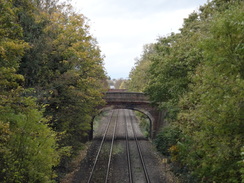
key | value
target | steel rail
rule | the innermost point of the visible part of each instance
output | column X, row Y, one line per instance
column 139, row 150
column 128, row 151
column 111, row 149
column 99, row 150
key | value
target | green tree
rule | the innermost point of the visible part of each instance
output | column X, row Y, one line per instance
column 174, row 59
column 197, row 76
column 29, row 152
column 211, row 112
column 28, row 145
column 51, row 65
column 65, row 68
column 138, row 77
column 77, row 86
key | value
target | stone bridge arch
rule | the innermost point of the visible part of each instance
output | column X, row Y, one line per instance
column 141, row 110
column 134, row 101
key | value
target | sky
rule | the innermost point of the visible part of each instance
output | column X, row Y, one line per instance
column 123, row 27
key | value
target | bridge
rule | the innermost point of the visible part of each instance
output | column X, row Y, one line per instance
column 127, row 99
column 135, row 101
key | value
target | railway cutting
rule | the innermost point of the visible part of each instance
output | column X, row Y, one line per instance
column 120, row 153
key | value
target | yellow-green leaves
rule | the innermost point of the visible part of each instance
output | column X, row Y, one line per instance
column 48, row 60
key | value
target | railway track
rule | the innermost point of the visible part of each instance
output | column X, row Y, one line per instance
column 139, row 150
column 100, row 150
column 133, row 142
column 101, row 170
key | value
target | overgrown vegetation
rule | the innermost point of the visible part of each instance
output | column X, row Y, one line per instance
column 197, row 75
column 51, row 80
column 144, row 124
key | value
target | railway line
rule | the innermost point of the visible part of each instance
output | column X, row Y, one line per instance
column 105, row 142
column 102, row 170
column 138, row 148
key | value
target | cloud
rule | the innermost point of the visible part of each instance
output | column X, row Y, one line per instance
column 123, row 27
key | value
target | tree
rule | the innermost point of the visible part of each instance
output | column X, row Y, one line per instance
column 52, row 80
column 174, row 59
column 77, row 86
column 211, row 112
column 65, row 68
column 118, row 83
column 138, row 77
column 197, row 76
column 28, row 146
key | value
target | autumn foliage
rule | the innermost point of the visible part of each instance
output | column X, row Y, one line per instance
column 51, row 75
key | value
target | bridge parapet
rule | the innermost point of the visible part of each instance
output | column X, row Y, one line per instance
column 123, row 97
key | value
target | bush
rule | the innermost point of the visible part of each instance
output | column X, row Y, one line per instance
column 166, row 139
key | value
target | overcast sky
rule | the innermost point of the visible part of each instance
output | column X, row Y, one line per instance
column 122, row 27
